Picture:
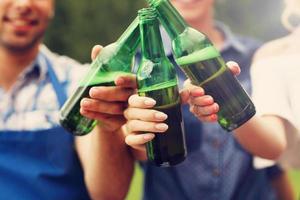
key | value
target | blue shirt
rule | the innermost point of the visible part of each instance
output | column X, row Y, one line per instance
column 216, row 167
column 37, row 157
column 31, row 103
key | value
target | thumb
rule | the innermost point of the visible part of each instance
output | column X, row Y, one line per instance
column 95, row 51
column 184, row 95
column 234, row 68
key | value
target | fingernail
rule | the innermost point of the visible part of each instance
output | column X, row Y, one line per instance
column 120, row 81
column 149, row 102
column 209, row 100
column 82, row 111
column 160, row 116
column 148, row 137
column 161, row 127
column 92, row 91
column 198, row 92
column 216, row 108
column 214, row 117
column 85, row 102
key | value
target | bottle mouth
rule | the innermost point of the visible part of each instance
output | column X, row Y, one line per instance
column 150, row 2
column 153, row 3
column 147, row 14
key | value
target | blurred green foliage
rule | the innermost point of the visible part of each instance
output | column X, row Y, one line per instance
column 295, row 179
column 80, row 24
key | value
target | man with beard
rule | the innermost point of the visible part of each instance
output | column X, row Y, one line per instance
column 38, row 159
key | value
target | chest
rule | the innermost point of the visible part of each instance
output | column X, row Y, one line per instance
column 32, row 106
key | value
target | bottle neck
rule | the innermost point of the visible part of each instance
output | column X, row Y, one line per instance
column 169, row 17
column 130, row 39
column 152, row 46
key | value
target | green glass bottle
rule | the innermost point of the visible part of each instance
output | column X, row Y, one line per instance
column 203, row 65
column 114, row 60
column 156, row 78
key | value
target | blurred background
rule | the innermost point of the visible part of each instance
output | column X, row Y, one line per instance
column 78, row 26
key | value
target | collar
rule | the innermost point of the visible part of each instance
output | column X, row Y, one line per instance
column 230, row 40
column 36, row 70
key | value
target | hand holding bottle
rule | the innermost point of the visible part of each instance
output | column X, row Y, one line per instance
column 115, row 60
column 107, row 103
column 142, row 122
column 201, row 105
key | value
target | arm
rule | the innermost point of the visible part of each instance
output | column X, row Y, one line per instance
column 106, row 161
column 107, row 164
column 262, row 136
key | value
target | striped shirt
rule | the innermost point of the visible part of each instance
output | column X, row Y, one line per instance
column 31, row 104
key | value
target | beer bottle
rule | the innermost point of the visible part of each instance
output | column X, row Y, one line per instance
column 114, row 60
column 156, row 78
column 203, row 65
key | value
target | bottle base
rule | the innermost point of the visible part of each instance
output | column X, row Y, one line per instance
column 74, row 129
column 229, row 124
column 171, row 162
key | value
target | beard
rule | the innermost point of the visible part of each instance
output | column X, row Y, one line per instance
column 16, row 47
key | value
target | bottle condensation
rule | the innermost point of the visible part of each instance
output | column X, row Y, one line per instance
column 203, row 65
column 157, row 79
column 114, row 60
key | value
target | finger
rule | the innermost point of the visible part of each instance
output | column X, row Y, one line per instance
column 144, row 115
column 202, row 101
column 108, row 122
column 111, row 93
column 95, row 51
column 141, row 102
column 206, row 110
column 184, row 96
column 112, row 123
column 139, row 139
column 234, row 67
column 128, row 81
column 141, row 126
column 187, row 83
column 194, row 90
column 142, row 152
column 98, row 106
column 208, row 118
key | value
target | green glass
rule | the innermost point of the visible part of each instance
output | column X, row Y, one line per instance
column 204, row 66
column 113, row 61
column 157, row 79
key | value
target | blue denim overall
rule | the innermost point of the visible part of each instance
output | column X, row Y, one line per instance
column 41, row 164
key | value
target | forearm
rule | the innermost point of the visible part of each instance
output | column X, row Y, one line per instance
column 107, row 164
column 263, row 136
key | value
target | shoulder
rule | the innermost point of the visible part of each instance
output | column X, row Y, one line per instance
column 241, row 43
column 61, row 60
column 63, row 65
column 67, row 70
column 248, row 43
column 240, row 48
